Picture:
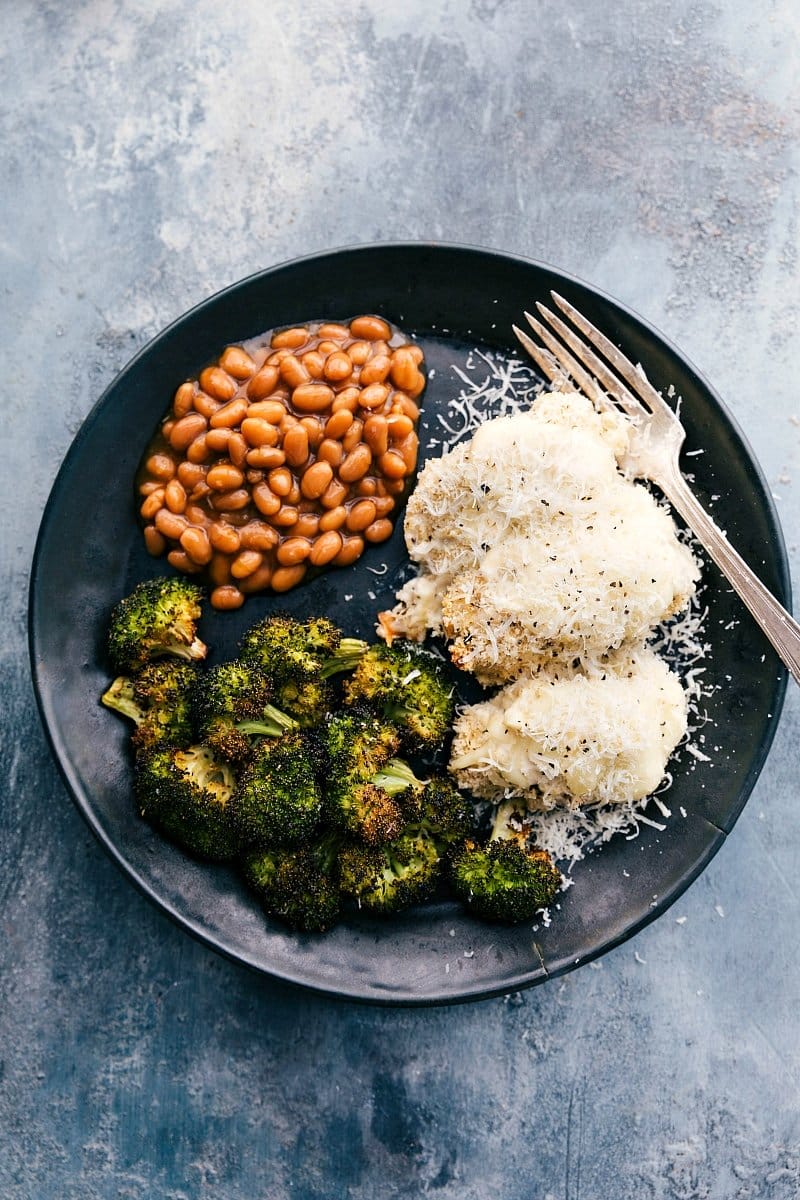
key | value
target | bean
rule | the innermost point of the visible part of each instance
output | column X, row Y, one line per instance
column 268, row 410
column 358, row 353
column 262, row 383
column 196, row 544
column 392, row 464
column 395, row 487
column 237, row 362
column 266, row 457
column 375, row 369
column 224, row 477
column 185, row 431
column 152, row 504
column 376, row 434
column 149, row 486
column 246, row 563
column 407, row 449
column 415, row 352
column 183, row 400
column 190, row 474
column 196, row 515
column 230, row 414
column 335, row 493
column 175, row 496
column 353, row 435
column 166, row 428
column 378, row 531
column 219, row 569
column 154, row 541
column 280, row 480
column 339, row 423
column 326, row 347
column 404, row 369
column 404, row 404
column 180, row 560
column 371, row 328
column 338, row 367
column 224, row 537
column 252, row 475
column 198, row 451
column 258, row 581
column 292, row 551
column 287, row 422
column 325, row 548
column 293, row 497
column 374, row 396
column 290, row 338
column 330, row 451
column 217, row 383
column 293, row 371
column 339, row 333
column 205, row 405
column 367, row 486
column 231, row 501
column 170, row 524
column 352, row 549
column 314, row 430
column 285, row 578
column 314, row 363
column 416, row 387
column 257, row 535
column 334, row 518
column 217, row 440
column 278, row 356
column 312, row 397
column 316, row 479
column 265, row 499
column 355, row 464
column 258, row 431
column 361, row 515
column 383, row 505
column 400, row 426
column 237, row 449
column 286, row 516
column 226, row 597
column 295, row 445
column 200, row 491
column 306, row 525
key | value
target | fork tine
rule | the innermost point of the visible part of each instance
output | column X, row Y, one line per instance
column 557, row 363
column 609, row 380
column 618, row 360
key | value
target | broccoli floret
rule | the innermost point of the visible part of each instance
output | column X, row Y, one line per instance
column 222, row 699
column 407, row 686
column 156, row 699
column 362, row 777
column 299, row 887
column 299, row 651
column 158, row 618
column 278, row 801
column 186, row 794
column 385, row 879
column 442, row 812
column 505, row 880
column 307, row 701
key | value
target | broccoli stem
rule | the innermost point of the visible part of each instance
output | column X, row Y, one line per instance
column 273, row 724
column 192, row 651
column 120, row 697
column 347, row 656
column 395, row 776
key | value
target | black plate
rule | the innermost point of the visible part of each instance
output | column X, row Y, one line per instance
column 89, row 553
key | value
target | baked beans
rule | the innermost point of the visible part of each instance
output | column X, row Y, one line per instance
column 291, row 452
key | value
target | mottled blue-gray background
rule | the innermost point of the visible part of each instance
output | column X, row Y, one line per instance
column 154, row 152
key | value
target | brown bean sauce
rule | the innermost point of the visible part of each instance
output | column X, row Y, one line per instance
column 288, row 454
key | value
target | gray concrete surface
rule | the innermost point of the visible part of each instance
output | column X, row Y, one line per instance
column 154, row 152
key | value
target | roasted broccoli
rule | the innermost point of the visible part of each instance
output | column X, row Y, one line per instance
column 158, row 618
column 156, row 699
column 278, row 801
column 186, row 794
column 504, row 880
column 407, row 686
column 306, row 701
column 299, row 887
column 222, row 699
column 362, row 776
column 385, row 879
column 299, row 651
column 439, row 810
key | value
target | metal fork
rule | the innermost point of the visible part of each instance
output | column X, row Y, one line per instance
column 656, row 443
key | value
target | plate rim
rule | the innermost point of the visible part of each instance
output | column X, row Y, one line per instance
column 359, row 990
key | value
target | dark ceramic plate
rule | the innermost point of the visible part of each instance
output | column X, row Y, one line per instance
column 89, row 554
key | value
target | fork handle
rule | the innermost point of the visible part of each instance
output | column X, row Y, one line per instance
column 778, row 625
